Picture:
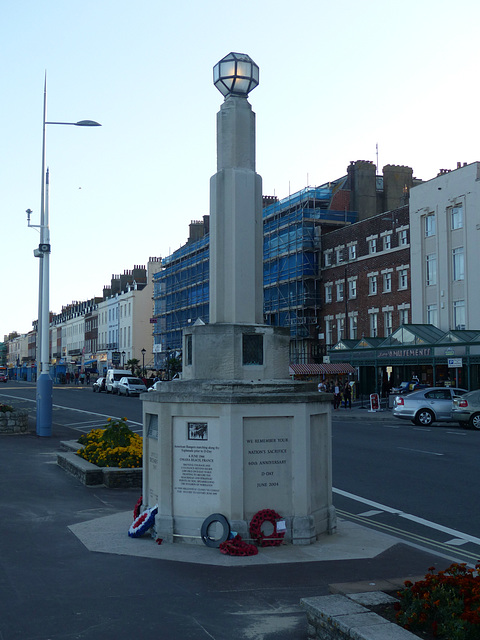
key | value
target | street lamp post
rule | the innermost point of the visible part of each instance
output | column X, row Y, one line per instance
column 44, row 381
column 123, row 359
column 143, row 361
column 168, row 363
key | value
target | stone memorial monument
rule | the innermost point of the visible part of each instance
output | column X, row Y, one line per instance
column 236, row 435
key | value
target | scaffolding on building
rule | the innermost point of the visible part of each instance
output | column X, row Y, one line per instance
column 181, row 292
column 292, row 243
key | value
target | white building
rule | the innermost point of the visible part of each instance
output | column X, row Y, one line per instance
column 17, row 350
column 445, row 256
column 124, row 320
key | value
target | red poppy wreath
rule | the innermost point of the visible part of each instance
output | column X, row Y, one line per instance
column 266, row 515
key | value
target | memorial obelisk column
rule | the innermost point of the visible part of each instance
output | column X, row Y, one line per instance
column 236, row 235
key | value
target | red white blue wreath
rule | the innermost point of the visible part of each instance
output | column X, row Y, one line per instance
column 143, row 523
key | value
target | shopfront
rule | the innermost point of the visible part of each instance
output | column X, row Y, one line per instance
column 420, row 352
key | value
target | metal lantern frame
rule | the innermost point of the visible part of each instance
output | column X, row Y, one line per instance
column 236, row 74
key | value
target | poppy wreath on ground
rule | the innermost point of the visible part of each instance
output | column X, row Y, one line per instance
column 266, row 515
column 136, row 510
column 143, row 523
column 237, row 547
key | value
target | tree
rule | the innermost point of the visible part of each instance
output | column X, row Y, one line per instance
column 174, row 365
column 132, row 364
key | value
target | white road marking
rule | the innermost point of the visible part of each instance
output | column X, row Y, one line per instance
column 408, row 516
column 430, row 453
column 58, row 406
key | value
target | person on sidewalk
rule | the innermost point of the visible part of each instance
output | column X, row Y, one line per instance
column 337, row 398
column 347, row 395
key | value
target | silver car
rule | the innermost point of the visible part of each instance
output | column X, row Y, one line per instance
column 426, row 406
column 466, row 409
column 131, row 386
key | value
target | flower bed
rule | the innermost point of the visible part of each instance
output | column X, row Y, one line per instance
column 114, row 446
column 110, row 456
column 445, row 604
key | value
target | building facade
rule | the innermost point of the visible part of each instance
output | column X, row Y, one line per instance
column 445, row 225
column 366, row 278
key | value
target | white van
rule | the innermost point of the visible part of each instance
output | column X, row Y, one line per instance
column 113, row 378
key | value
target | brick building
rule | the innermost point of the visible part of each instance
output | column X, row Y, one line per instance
column 366, row 278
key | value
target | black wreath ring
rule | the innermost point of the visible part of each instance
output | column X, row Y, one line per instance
column 266, row 515
column 212, row 542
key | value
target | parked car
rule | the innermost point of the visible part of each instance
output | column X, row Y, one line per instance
column 426, row 406
column 130, row 386
column 408, row 387
column 155, row 386
column 3, row 377
column 99, row 385
column 466, row 409
column 113, row 378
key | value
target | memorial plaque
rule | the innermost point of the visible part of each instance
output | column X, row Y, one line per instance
column 267, row 455
column 196, row 467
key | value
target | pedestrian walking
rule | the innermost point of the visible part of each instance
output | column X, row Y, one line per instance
column 347, row 395
column 337, row 398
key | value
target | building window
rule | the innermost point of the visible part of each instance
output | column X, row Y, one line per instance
column 373, row 325
column 352, row 252
column 403, row 279
column 458, row 264
column 372, row 285
column 372, row 245
column 387, row 242
column 188, row 344
column 328, row 293
column 339, row 254
column 403, row 316
column 327, row 257
column 431, row 269
column 403, row 237
column 430, row 225
column 457, row 217
column 353, row 327
column 432, row 314
column 339, row 291
column 459, row 314
column 329, row 331
column 387, row 282
column 387, row 322
column 340, row 329
column 352, row 289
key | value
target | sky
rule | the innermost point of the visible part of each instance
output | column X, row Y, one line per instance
column 336, row 80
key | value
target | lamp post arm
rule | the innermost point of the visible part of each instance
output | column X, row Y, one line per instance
column 81, row 123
